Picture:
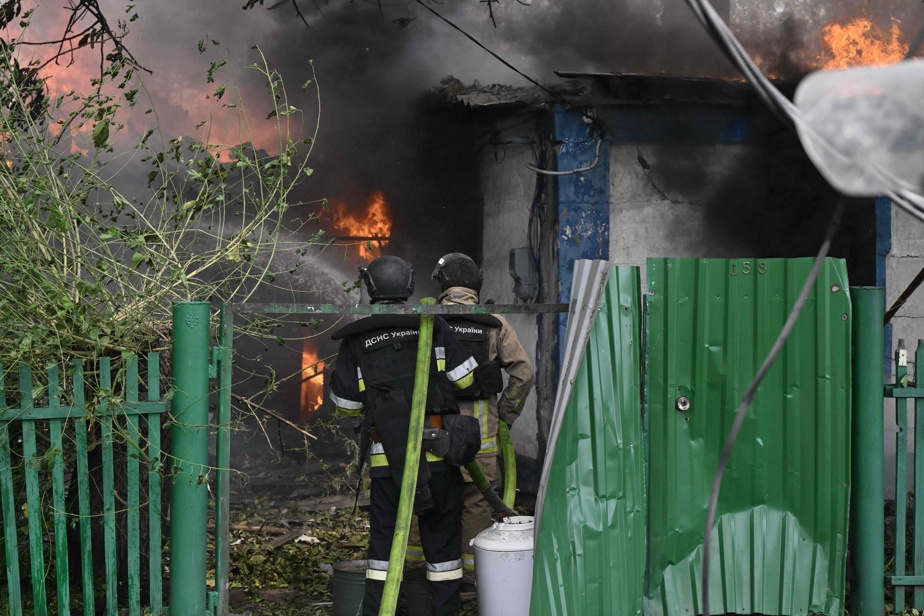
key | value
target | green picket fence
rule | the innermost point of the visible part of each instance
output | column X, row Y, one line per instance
column 908, row 575
column 53, row 440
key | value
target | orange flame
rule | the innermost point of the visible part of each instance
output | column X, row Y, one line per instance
column 370, row 229
column 227, row 126
column 861, row 43
column 312, row 388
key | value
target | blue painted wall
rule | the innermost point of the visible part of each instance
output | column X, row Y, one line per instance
column 883, row 248
column 583, row 200
column 707, row 124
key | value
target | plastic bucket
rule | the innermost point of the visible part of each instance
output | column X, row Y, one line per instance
column 504, row 567
column 348, row 587
column 417, row 597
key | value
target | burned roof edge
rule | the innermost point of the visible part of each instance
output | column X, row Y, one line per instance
column 586, row 89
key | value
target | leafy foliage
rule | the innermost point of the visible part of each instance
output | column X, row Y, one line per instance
column 329, row 537
column 91, row 260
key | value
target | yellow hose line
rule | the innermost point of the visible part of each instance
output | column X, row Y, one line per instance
column 411, row 464
column 510, row 463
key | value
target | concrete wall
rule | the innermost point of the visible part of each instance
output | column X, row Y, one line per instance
column 653, row 215
column 903, row 262
column 508, row 192
column 706, row 182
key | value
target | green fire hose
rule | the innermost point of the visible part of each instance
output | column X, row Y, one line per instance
column 510, row 463
column 481, row 482
column 409, row 479
column 499, row 505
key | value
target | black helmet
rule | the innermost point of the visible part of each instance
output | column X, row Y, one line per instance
column 388, row 278
column 458, row 270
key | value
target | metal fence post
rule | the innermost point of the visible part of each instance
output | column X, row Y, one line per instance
column 867, row 524
column 223, row 456
column 190, row 433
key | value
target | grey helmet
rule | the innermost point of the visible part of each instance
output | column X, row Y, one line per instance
column 458, row 270
column 388, row 279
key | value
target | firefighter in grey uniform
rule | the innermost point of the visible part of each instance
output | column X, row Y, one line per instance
column 494, row 348
column 374, row 375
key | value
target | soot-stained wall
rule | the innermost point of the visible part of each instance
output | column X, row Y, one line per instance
column 684, row 181
column 745, row 193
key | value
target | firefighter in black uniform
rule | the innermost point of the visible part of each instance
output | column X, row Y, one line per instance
column 374, row 375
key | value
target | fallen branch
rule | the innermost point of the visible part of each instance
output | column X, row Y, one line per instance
column 278, row 542
column 340, row 501
column 253, row 405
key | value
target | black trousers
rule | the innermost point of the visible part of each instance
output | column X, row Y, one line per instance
column 440, row 535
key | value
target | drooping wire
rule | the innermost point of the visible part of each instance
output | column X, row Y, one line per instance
column 784, row 109
column 588, row 167
column 748, row 397
column 789, row 114
column 554, row 95
column 496, row 57
column 537, row 218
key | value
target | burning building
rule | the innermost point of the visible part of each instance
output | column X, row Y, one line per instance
column 682, row 165
column 626, row 166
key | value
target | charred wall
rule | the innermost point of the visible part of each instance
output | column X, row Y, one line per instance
column 678, row 193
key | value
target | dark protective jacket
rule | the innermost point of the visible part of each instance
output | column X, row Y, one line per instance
column 376, row 365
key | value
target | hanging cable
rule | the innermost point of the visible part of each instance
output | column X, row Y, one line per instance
column 571, row 171
column 554, row 95
column 497, row 57
column 789, row 114
column 784, row 109
column 752, row 389
column 536, row 219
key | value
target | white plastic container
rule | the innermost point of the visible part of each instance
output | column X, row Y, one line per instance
column 504, row 567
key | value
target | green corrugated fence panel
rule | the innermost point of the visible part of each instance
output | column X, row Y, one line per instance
column 780, row 539
column 590, row 550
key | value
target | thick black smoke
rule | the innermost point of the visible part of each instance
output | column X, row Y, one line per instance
column 378, row 131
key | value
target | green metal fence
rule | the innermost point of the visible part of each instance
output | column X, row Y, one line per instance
column 83, row 539
column 52, row 439
column 908, row 556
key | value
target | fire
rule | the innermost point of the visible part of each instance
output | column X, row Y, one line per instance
column 312, row 386
column 184, row 97
column 370, row 229
column 861, row 43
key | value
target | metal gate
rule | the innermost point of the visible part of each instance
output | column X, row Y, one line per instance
column 907, row 551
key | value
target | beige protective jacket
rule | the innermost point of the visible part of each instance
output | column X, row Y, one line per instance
column 506, row 347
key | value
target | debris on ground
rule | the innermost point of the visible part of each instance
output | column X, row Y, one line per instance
column 281, row 556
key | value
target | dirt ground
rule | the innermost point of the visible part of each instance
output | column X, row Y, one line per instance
column 281, row 554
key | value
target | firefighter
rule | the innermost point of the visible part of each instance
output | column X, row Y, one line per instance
column 374, row 376
column 495, row 348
